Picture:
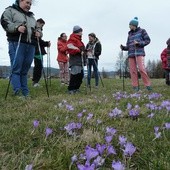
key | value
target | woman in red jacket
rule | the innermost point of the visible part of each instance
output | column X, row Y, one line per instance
column 62, row 58
column 165, row 57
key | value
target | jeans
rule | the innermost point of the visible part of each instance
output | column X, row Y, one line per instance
column 20, row 65
column 94, row 63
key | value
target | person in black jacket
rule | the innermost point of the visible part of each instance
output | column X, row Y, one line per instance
column 93, row 51
column 38, row 58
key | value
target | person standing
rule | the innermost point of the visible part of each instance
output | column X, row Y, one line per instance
column 38, row 58
column 62, row 58
column 20, row 26
column 137, row 40
column 93, row 51
column 76, row 50
column 165, row 57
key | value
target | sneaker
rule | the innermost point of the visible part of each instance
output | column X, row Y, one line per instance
column 36, row 85
column 71, row 91
column 149, row 88
column 136, row 88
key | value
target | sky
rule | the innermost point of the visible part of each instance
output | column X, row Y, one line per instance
column 108, row 19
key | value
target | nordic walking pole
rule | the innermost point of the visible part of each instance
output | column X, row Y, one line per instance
column 123, row 73
column 16, row 52
column 88, row 73
column 42, row 66
column 98, row 72
column 49, row 62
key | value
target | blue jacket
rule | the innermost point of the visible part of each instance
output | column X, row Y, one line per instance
column 139, row 35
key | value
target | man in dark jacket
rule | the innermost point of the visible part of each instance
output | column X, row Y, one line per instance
column 93, row 50
column 38, row 58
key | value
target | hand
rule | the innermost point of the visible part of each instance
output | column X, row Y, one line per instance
column 37, row 34
column 22, row 29
column 121, row 47
column 136, row 42
column 49, row 44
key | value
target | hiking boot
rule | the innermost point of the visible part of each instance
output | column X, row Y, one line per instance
column 36, row 85
column 136, row 88
column 149, row 88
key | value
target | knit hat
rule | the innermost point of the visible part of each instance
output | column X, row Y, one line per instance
column 134, row 22
column 77, row 29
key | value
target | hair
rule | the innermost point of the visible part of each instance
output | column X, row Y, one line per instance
column 40, row 20
column 92, row 35
column 61, row 35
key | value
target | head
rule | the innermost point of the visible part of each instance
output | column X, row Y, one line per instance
column 63, row 36
column 40, row 22
column 168, row 42
column 77, row 30
column 25, row 5
column 92, row 37
column 133, row 24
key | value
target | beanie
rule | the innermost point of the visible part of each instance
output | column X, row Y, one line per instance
column 77, row 29
column 134, row 22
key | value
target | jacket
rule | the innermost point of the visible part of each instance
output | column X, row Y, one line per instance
column 42, row 44
column 62, row 51
column 12, row 18
column 139, row 35
column 75, row 47
column 95, row 47
column 165, row 57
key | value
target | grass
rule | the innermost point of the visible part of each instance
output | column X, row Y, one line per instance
column 21, row 144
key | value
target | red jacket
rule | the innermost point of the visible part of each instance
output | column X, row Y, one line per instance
column 62, row 51
column 164, row 59
column 76, row 44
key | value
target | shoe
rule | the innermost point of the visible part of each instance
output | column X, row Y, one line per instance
column 96, row 87
column 149, row 88
column 71, row 91
column 136, row 88
column 36, row 85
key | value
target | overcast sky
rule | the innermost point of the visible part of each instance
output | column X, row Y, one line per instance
column 108, row 19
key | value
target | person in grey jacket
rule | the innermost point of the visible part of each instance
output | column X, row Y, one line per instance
column 22, row 33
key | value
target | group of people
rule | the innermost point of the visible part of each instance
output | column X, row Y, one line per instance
column 24, row 34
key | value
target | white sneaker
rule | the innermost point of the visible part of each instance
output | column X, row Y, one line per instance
column 36, row 85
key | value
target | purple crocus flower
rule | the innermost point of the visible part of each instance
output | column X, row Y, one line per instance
column 99, row 121
column 129, row 106
column 129, row 149
column 156, row 129
column 86, row 167
column 109, row 138
column 79, row 115
column 74, row 158
column 91, row 153
column 151, row 115
column 100, row 148
column 48, row 132
column 69, row 107
column 35, row 123
column 118, row 165
column 29, row 167
column 99, row 161
column 122, row 140
column 111, row 150
column 157, row 135
column 110, row 131
column 134, row 113
column 167, row 125
column 90, row 115
column 115, row 112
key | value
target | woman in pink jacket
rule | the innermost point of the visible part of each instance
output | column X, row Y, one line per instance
column 62, row 58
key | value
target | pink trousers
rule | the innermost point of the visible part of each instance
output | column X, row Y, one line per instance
column 64, row 72
column 138, row 62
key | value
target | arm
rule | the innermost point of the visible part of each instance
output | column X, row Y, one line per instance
column 164, row 55
column 145, row 39
column 72, row 49
column 61, row 47
column 98, row 49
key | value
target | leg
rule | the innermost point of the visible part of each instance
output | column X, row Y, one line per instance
column 79, row 80
column 89, row 71
column 28, row 58
column 133, row 72
column 37, row 70
column 96, row 73
column 61, row 66
column 66, row 73
column 142, row 70
column 16, row 64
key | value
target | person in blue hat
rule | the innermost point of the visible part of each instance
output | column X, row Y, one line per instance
column 137, row 40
